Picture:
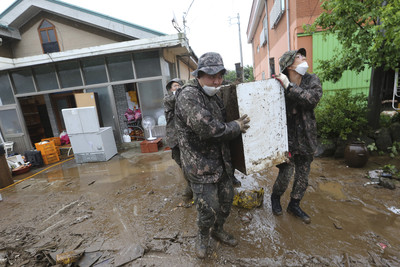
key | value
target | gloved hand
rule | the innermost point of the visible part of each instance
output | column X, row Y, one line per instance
column 283, row 79
column 243, row 123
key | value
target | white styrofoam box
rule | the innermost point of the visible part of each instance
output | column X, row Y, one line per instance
column 81, row 120
column 265, row 143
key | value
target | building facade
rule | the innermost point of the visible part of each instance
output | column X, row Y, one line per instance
column 51, row 51
column 276, row 26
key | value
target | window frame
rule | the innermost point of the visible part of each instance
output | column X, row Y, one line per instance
column 46, row 29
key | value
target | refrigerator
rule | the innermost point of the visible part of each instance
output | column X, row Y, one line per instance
column 89, row 141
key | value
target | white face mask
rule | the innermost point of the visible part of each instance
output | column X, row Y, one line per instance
column 302, row 68
column 211, row 90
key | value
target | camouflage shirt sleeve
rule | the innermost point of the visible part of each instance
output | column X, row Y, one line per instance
column 169, row 107
column 308, row 93
column 203, row 117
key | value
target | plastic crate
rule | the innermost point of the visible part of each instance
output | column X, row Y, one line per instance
column 57, row 140
column 49, row 159
column 49, row 152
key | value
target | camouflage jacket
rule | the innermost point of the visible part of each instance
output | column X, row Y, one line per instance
column 169, row 111
column 300, row 103
column 203, row 134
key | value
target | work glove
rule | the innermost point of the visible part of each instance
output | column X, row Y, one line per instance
column 243, row 123
column 283, row 79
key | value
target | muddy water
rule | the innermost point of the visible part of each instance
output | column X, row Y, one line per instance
column 136, row 199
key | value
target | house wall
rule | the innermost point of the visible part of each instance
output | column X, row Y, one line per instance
column 71, row 35
column 261, row 53
column 5, row 49
column 185, row 71
column 300, row 12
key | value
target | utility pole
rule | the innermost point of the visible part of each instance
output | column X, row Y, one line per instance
column 240, row 44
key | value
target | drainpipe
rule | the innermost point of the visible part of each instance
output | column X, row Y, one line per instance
column 266, row 18
column 287, row 22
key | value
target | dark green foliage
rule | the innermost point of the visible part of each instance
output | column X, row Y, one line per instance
column 248, row 74
column 341, row 115
column 230, row 75
column 367, row 30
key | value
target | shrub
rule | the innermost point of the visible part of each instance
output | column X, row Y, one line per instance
column 341, row 115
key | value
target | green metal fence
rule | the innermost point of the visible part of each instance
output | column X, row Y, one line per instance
column 324, row 49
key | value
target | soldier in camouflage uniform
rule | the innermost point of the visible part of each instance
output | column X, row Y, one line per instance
column 171, row 133
column 302, row 94
column 200, row 119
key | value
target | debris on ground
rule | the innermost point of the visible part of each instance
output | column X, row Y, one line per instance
column 249, row 199
column 69, row 257
column 381, row 177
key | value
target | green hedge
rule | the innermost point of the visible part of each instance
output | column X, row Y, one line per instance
column 341, row 115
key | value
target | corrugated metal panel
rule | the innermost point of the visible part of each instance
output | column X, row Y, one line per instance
column 324, row 49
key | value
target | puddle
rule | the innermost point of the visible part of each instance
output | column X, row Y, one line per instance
column 334, row 189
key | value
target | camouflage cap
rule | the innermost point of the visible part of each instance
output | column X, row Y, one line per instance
column 210, row 63
column 288, row 57
column 175, row 80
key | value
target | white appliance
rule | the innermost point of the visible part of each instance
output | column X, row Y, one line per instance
column 89, row 142
column 81, row 120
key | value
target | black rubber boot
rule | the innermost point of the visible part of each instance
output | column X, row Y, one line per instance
column 236, row 182
column 202, row 243
column 219, row 234
column 276, row 205
column 294, row 209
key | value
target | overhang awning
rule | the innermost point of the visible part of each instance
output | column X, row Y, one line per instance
column 174, row 40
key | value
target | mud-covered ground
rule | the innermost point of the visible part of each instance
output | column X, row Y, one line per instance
column 129, row 211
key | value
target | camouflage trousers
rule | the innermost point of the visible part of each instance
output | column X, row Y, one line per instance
column 213, row 202
column 300, row 165
column 176, row 155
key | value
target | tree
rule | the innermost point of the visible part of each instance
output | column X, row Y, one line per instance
column 248, row 74
column 230, row 75
column 369, row 34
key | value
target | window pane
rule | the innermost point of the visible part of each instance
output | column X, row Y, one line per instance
column 51, row 47
column 9, row 122
column 23, row 81
column 45, row 24
column 147, row 64
column 52, row 36
column 45, row 78
column 69, row 74
column 45, row 39
column 105, row 106
column 6, row 94
column 120, row 67
column 151, row 97
column 94, row 71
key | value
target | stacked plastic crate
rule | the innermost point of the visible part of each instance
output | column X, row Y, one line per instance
column 49, row 151
column 57, row 143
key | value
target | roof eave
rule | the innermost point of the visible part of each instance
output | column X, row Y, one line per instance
column 128, row 46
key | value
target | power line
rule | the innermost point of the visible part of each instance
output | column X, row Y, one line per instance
column 184, row 17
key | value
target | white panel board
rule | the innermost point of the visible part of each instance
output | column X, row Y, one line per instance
column 265, row 143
